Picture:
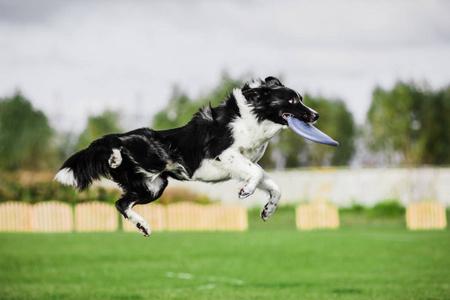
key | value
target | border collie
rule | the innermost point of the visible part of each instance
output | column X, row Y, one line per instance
column 218, row 144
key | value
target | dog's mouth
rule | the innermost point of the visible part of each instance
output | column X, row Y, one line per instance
column 304, row 117
column 307, row 130
column 287, row 115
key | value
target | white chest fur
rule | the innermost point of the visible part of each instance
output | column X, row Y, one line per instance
column 250, row 140
column 250, row 135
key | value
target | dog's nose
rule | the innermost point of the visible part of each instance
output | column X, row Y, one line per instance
column 315, row 117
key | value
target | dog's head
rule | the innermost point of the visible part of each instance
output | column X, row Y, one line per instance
column 271, row 100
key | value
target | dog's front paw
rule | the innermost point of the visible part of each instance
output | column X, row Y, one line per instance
column 245, row 192
column 268, row 210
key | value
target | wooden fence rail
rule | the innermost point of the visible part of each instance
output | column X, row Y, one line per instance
column 56, row 216
column 191, row 216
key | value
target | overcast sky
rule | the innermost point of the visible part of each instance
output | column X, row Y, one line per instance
column 74, row 58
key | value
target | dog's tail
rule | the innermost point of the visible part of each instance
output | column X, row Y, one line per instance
column 87, row 165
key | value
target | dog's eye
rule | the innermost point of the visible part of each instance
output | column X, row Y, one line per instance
column 293, row 101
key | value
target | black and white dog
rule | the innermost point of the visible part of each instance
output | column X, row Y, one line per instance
column 218, row 144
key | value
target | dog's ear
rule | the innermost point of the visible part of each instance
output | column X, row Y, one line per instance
column 246, row 87
column 251, row 95
column 255, row 83
column 254, row 90
column 273, row 81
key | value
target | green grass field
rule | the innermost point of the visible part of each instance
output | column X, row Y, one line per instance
column 271, row 261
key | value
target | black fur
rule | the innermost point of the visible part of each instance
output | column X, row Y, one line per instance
column 89, row 164
column 178, row 152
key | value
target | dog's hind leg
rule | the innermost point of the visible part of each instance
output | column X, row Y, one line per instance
column 124, row 205
column 268, row 185
column 144, row 194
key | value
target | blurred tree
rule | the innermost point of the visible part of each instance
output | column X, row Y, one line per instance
column 25, row 135
column 434, row 137
column 178, row 111
column 410, row 120
column 393, row 123
column 98, row 126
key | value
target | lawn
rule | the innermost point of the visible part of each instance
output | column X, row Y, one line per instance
column 277, row 263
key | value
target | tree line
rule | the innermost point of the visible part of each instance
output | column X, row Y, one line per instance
column 407, row 124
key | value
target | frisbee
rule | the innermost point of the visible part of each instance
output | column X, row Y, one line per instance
column 309, row 132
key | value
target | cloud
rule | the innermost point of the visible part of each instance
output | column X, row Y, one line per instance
column 79, row 57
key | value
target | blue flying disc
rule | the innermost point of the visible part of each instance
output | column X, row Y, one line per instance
column 308, row 131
